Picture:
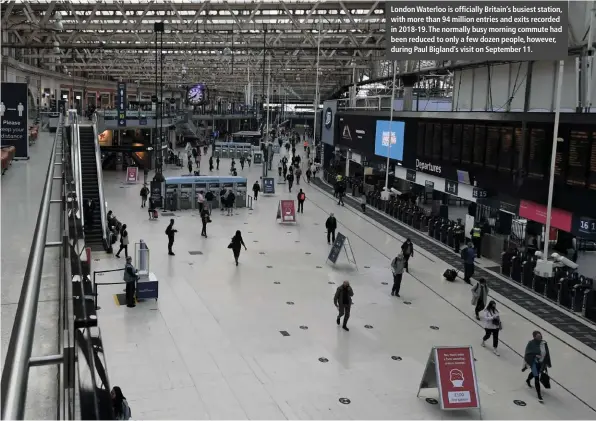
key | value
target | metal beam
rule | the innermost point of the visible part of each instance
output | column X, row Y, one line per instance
column 151, row 47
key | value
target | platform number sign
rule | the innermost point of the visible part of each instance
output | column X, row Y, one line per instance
column 479, row 193
column 584, row 227
column 451, row 187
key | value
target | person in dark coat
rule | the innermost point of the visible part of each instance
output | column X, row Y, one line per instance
column 537, row 358
column 343, row 302
column 256, row 188
column 130, row 277
column 236, row 245
column 205, row 220
column 171, row 232
column 144, row 194
column 407, row 248
column 211, row 163
column 331, row 226
column 151, row 207
column 123, row 242
column 468, row 254
column 290, row 178
column 217, row 162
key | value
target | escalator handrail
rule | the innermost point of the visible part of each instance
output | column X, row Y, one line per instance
column 102, row 201
column 76, row 161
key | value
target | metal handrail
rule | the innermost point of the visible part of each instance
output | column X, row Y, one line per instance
column 102, row 201
column 76, row 164
column 15, row 376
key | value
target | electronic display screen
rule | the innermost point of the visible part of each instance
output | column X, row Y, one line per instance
column 578, row 158
column 197, row 94
column 420, row 139
column 390, row 133
column 428, row 140
column 492, row 146
column 592, row 173
column 437, row 142
column 506, row 149
column 456, row 144
column 479, row 145
column 467, row 144
column 446, row 140
column 536, row 158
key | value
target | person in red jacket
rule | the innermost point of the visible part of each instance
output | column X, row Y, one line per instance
column 301, row 198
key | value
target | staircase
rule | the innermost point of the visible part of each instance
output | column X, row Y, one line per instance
column 94, row 236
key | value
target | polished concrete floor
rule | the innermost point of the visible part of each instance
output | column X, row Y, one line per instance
column 21, row 191
column 211, row 347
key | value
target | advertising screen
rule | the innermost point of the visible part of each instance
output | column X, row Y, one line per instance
column 357, row 132
column 390, row 132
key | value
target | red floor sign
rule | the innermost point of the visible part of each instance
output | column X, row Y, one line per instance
column 287, row 211
column 454, row 376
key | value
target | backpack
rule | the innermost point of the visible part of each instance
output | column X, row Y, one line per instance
column 302, row 196
column 450, row 275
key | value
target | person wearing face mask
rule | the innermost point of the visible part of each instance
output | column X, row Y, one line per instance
column 492, row 325
column 537, row 358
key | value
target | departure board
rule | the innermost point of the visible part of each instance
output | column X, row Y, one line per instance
column 506, row 149
column 518, row 144
column 420, row 140
column 467, row 143
column 578, row 158
column 446, row 135
column 456, row 144
column 538, row 147
column 492, row 146
column 437, row 142
column 592, row 173
column 428, row 141
column 479, row 145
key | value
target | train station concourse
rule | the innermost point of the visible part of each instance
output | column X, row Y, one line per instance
column 246, row 210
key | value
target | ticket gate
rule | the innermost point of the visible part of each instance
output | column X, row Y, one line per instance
column 171, row 197
column 565, row 289
column 241, row 193
column 185, row 197
column 579, row 290
column 516, row 268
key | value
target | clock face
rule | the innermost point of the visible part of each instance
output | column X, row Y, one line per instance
column 196, row 94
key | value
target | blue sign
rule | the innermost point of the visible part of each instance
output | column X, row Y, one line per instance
column 121, row 104
column 147, row 290
column 269, row 185
column 143, row 120
column 395, row 135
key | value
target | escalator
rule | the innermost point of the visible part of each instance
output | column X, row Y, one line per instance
column 94, row 235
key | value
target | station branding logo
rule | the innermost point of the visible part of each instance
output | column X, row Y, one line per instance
column 425, row 166
column 346, row 134
column 328, row 117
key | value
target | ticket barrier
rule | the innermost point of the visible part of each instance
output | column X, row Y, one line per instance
column 539, row 284
column 565, row 289
column 437, row 229
column 182, row 192
column 579, row 290
column 445, row 228
column 516, row 268
column 506, row 261
column 241, row 194
column 589, row 304
column 185, row 197
column 528, row 272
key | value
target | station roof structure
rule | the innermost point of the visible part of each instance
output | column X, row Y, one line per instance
column 219, row 42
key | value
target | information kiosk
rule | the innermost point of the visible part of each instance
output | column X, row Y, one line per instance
column 183, row 191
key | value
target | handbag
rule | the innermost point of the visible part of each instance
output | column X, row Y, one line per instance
column 231, row 245
column 545, row 379
column 125, row 240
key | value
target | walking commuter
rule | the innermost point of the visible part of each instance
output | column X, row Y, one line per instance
column 256, row 188
column 285, row 170
column 89, row 208
column 144, row 194
column 397, row 268
column 468, row 254
column 205, row 219
column 236, row 245
column 340, row 193
column 308, row 175
column 290, row 181
column 230, row 200
column 492, row 325
column 301, row 198
column 363, row 203
column 130, row 277
column 343, row 301
column 217, row 163
column 151, row 208
column 537, row 358
column 242, row 162
column 123, row 242
column 201, row 201
column 171, row 232
column 479, row 296
column 331, row 226
column 298, row 175
column 211, row 163
column 248, row 159
column 407, row 248
column 209, row 196
column 120, row 405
